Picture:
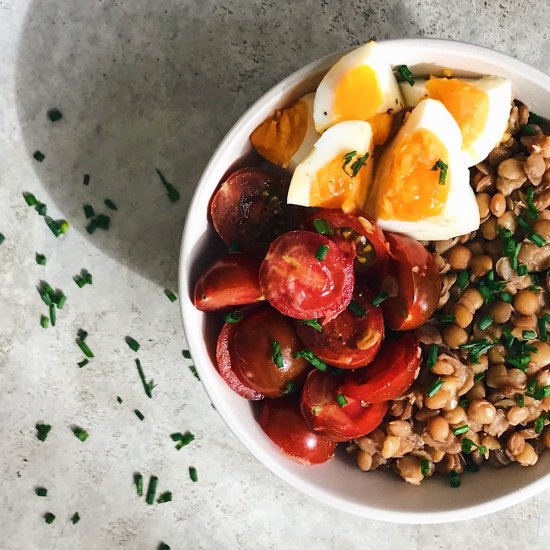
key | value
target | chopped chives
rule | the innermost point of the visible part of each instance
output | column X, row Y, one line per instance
column 357, row 309
column 80, row 433
column 75, row 518
column 520, row 400
column 379, row 298
column 539, row 424
column 542, row 329
column 425, row 467
column 461, row 429
column 537, row 239
column 322, row 252
column 486, row 292
column 446, row 318
column 479, row 377
column 39, row 156
column 40, row 259
column 80, row 281
column 30, row 199
column 163, row 546
column 406, row 74
column 506, row 297
column 83, row 363
column 132, row 344
column 119, row 399
column 442, row 167
column 42, row 431
column 454, row 479
column 54, row 115
column 91, row 227
column 41, row 491
column 541, row 393
column 463, row 279
column 82, row 334
column 232, row 317
column 529, row 334
column 171, row 191
column 138, row 482
column 431, row 359
column 528, row 130
column 182, row 440
column 52, row 314
column 60, row 299
column 348, row 157
column 358, row 164
column 151, row 489
column 312, row 359
column 290, row 388
column 322, row 226
column 523, row 224
column 485, row 322
column 86, row 179
column 147, row 386
column 53, row 225
column 464, row 402
column 41, row 208
column 186, row 354
column 170, row 295
column 87, row 277
column 235, row 246
column 102, row 221
column 110, row 204
column 535, row 119
column 89, row 211
column 276, row 355
column 194, row 372
column 49, row 517
column 193, row 474
column 341, row 400
column 435, row 387
column 139, row 414
column 313, row 323
column 44, row 321
column 85, row 348
column 164, row 497
column 522, row 270
column 2, row 238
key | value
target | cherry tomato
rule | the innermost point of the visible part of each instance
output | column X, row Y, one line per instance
column 284, row 424
column 230, row 281
column 334, row 421
column 391, row 373
column 261, row 353
column 249, row 209
column 412, row 281
column 351, row 339
column 356, row 234
column 305, row 275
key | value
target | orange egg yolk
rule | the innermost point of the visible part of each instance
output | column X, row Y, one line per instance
column 358, row 95
column 468, row 105
column 410, row 189
column 280, row 136
column 381, row 125
column 336, row 187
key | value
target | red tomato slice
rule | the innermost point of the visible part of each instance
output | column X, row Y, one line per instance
column 357, row 235
column 412, row 280
column 283, row 423
column 299, row 284
column 262, row 348
column 230, row 281
column 249, row 209
column 328, row 419
column 391, row 373
column 349, row 340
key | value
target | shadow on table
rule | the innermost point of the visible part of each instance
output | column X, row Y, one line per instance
column 145, row 85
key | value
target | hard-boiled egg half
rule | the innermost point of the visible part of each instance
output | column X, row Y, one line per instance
column 338, row 171
column 421, row 185
column 481, row 108
column 288, row 136
column 360, row 86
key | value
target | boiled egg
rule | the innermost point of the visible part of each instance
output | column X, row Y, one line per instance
column 413, row 95
column 337, row 173
column 360, row 86
column 286, row 138
column 422, row 186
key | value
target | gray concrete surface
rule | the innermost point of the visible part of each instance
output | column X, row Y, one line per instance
column 146, row 84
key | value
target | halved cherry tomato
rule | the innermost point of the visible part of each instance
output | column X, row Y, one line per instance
column 356, row 234
column 391, row 373
column 249, row 209
column 351, row 339
column 412, row 281
column 261, row 353
column 305, row 275
column 334, row 421
column 230, row 281
column 284, row 424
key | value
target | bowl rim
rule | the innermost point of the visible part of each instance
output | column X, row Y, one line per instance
column 364, row 510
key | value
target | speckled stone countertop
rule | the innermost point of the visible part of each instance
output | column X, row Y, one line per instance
column 156, row 84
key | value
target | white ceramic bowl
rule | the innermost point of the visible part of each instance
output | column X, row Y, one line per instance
column 339, row 483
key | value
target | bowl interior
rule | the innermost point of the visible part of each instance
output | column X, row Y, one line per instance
column 378, row 495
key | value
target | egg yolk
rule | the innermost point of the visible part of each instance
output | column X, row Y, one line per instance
column 468, row 105
column 280, row 136
column 410, row 189
column 381, row 125
column 336, row 187
column 358, row 95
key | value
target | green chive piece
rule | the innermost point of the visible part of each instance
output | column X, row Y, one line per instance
column 358, row 164
column 463, row 279
column 357, row 309
column 41, row 491
column 91, row 227
column 313, row 323
column 186, row 354
column 147, row 386
column 520, row 400
column 431, row 359
column 139, row 414
column 341, row 400
column 30, row 199
column 151, row 489
column 454, row 479
column 379, row 298
column 170, row 295
column 485, row 322
column 75, row 518
column 132, row 344
column 82, row 334
column 523, row 224
column 52, row 315
column 171, row 191
column 54, row 115
column 80, row 433
column 232, row 317
column 194, row 372
column 110, row 204
column 537, row 239
column 89, row 211
column 522, row 270
column 528, row 130
column 85, row 348
column 53, row 226
column 442, row 167
column 163, row 546
column 80, row 281
column 164, row 497
column 479, row 377
column 542, row 392
column 276, row 355
column 193, row 474
column 182, row 440
column 119, row 399
column 40, row 259
column 406, row 74
column 322, row 226
column 44, row 321
column 535, row 119
column 312, row 359
column 464, row 403
column 435, row 387
column 102, row 221
column 539, row 424
column 425, row 467
column 42, row 431
column 506, row 297
column 529, row 334
column 543, row 335
column 2, row 238
column 348, row 157
column 138, row 482
column 39, row 156
column 290, row 388
column 322, row 252
column 41, row 208
column 235, row 246
column 531, row 386
column 86, row 179
column 461, row 429
column 49, row 517
column 445, row 318
column 60, row 299
column 486, row 292
column 83, row 363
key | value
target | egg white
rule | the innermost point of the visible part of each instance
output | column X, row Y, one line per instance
column 310, row 137
column 369, row 54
